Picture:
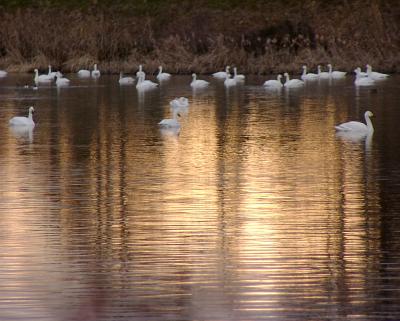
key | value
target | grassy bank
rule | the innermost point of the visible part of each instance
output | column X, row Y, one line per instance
column 259, row 37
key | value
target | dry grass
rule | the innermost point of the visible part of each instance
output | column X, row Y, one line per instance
column 267, row 38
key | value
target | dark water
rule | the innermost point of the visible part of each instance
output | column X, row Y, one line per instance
column 256, row 211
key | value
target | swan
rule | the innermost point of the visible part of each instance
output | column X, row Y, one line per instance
column 355, row 126
column 198, row 83
column 23, row 121
column 171, row 122
column 362, row 81
column 83, row 73
column 61, row 81
column 52, row 73
column 162, row 75
column 336, row 74
column 292, row 83
column 140, row 71
column 308, row 76
column 125, row 80
column 143, row 84
column 229, row 82
column 274, row 83
column 361, row 73
column 323, row 74
column 221, row 74
column 3, row 73
column 181, row 102
column 42, row 78
column 375, row 75
column 236, row 76
column 95, row 72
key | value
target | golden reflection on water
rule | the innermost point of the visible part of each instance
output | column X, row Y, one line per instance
column 248, row 209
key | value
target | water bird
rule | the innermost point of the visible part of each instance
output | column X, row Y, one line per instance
column 375, row 75
column 95, row 72
column 274, row 83
column 229, row 82
column 3, row 73
column 143, row 84
column 358, row 127
column 222, row 74
column 171, row 122
column 23, row 121
column 362, row 81
column 198, row 83
column 140, row 71
column 323, row 74
column 83, row 73
column 125, row 80
column 52, row 73
column 308, row 76
column 61, row 81
column 335, row 73
column 181, row 102
column 292, row 83
column 42, row 78
column 236, row 76
column 162, row 75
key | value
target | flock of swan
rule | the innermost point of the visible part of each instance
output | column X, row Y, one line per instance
column 180, row 105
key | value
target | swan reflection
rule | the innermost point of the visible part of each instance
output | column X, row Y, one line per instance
column 22, row 132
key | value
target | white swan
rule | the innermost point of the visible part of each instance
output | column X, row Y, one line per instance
column 83, row 73
column 375, row 75
column 143, row 84
column 61, row 81
column 308, row 76
column 181, row 102
column 3, row 73
column 198, row 83
column 274, row 83
column 140, row 72
column 221, row 74
column 171, row 122
column 336, row 74
column 42, row 78
column 292, row 83
column 162, row 75
column 236, row 76
column 355, row 126
column 323, row 74
column 23, row 121
column 52, row 73
column 361, row 73
column 362, row 81
column 125, row 80
column 229, row 82
column 95, row 72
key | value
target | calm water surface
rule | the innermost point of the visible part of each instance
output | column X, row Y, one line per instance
column 256, row 211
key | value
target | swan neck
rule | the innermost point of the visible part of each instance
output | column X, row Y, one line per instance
column 369, row 124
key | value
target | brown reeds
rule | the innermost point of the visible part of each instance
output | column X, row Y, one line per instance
column 269, row 37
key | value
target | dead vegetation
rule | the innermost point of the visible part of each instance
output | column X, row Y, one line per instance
column 267, row 37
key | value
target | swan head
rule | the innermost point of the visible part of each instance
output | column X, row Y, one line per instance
column 286, row 74
column 329, row 65
column 279, row 76
column 369, row 113
column 31, row 110
column 36, row 70
column 304, row 67
column 193, row 75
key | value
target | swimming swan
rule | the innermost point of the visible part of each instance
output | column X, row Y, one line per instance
column 375, row 75
column 23, row 121
column 274, row 83
column 42, row 78
column 236, row 76
column 229, row 82
column 198, row 83
column 308, row 76
column 181, row 102
column 292, row 83
column 171, row 122
column 336, row 74
column 140, row 72
column 52, row 73
column 323, row 74
column 162, row 75
column 95, row 72
column 125, row 80
column 61, row 81
column 3, row 73
column 362, row 81
column 83, row 73
column 143, row 84
column 355, row 126
column 221, row 74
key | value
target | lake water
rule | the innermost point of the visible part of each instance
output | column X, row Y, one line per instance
column 257, row 210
